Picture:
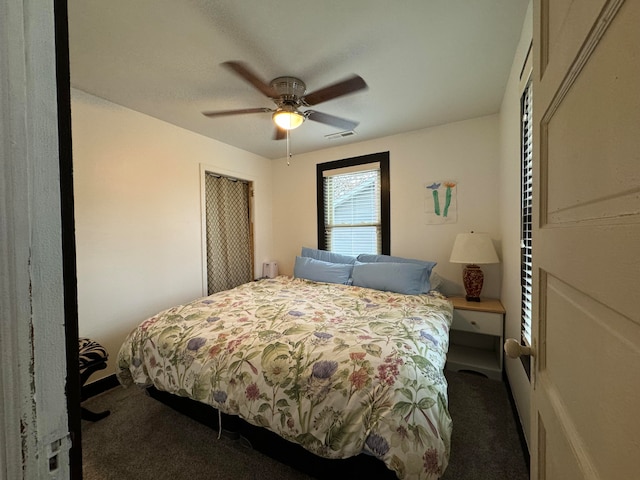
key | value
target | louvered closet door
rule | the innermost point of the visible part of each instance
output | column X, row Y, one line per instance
column 586, row 236
column 229, row 234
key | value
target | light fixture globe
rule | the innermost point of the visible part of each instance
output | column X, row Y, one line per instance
column 288, row 117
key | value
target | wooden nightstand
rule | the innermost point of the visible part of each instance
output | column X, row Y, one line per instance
column 477, row 336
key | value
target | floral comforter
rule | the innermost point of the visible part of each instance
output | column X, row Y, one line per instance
column 336, row 368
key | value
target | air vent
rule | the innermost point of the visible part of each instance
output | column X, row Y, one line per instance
column 334, row 136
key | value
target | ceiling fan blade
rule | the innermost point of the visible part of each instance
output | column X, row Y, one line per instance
column 350, row 85
column 222, row 113
column 337, row 122
column 279, row 134
column 247, row 74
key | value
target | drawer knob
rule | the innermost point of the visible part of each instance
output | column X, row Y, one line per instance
column 474, row 323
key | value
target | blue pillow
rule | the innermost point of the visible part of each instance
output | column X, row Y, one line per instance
column 327, row 256
column 372, row 258
column 406, row 278
column 320, row 271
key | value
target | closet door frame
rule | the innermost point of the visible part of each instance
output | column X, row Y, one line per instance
column 211, row 169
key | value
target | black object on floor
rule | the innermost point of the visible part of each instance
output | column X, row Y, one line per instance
column 92, row 357
column 276, row 447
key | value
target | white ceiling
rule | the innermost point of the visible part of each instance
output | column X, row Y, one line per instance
column 426, row 62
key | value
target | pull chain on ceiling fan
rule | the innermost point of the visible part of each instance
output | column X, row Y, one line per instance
column 288, row 93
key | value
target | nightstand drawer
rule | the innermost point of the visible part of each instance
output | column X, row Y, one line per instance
column 477, row 322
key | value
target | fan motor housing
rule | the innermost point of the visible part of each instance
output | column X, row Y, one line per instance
column 290, row 89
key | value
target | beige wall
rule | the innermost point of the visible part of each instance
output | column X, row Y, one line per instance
column 466, row 152
column 510, row 217
column 138, row 214
column 137, row 194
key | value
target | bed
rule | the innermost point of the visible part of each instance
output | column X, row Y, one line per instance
column 339, row 368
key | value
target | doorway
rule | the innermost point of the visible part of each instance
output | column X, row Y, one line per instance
column 229, row 232
column 63, row 90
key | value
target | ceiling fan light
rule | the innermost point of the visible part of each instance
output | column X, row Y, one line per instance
column 288, row 119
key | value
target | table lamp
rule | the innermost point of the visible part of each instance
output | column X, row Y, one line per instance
column 473, row 249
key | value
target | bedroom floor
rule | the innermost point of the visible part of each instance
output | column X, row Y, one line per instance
column 144, row 439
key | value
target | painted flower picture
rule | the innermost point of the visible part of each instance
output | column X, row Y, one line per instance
column 440, row 202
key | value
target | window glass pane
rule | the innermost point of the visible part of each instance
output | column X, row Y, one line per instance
column 354, row 240
column 352, row 212
column 526, row 210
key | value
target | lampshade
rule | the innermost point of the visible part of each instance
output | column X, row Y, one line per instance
column 473, row 248
column 288, row 118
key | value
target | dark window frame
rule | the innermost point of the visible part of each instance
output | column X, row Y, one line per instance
column 385, row 204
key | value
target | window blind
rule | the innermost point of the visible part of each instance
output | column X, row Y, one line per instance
column 352, row 222
column 527, row 209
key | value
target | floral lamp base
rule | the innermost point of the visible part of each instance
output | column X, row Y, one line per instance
column 472, row 278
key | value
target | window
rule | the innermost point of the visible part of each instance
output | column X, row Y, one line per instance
column 526, row 203
column 353, row 205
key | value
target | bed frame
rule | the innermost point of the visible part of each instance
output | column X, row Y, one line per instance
column 274, row 446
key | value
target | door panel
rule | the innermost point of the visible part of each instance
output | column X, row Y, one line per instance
column 601, row 132
column 561, row 27
column 603, row 347
column 586, row 240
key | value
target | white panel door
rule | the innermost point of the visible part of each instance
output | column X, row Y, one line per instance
column 586, row 240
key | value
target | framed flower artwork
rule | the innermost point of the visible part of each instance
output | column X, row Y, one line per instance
column 440, row 202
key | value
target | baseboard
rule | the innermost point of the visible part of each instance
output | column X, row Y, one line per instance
column 516, row 416
column 99, row 386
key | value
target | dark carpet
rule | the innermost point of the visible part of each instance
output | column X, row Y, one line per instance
column 143, row 439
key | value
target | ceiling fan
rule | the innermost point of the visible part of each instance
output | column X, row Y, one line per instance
column 288, row 93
